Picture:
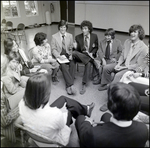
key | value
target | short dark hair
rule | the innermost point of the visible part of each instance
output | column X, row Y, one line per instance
column 140, row 31
column 111, row 32
column 14, row 55
column 38, row 89
column 88, row 24
column 62, row 23
column 123, row 101
column 39, row 38
column 8, row 44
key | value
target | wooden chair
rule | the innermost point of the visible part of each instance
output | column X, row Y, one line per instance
column 33, row 139
column 30, row 53
column 20, row 33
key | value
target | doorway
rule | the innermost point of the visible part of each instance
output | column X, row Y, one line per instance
column 67, row 11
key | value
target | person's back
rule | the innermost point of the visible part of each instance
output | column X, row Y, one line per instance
column 115, row 136
column 118, row 129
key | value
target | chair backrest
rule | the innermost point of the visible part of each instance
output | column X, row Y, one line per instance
column 3, row 21
column 21, row 26
column 36, row 136
column 9, row 25
column 30, row 53
column 3, row 24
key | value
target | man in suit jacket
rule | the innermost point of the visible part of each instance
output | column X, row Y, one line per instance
column 86, row 47
column 115, row 48
column 118, row 128
column 131, row 58
column 59, row 48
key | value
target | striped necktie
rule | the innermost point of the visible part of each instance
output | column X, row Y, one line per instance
column 86, row 42
column 63, row 45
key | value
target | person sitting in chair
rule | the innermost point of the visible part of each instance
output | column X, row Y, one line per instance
column 51, row 120
column 131, row 57
column 62, row 44
column 42, row 55
column 85, row 51
column 109, row 51
column 115, row 129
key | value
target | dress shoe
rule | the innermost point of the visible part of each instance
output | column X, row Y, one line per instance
column 83, row 89
column 55, row 80
column 96, row 82
column 69, row 92
column 103, row 87
column 103, row 108
column 90, row 108
column 73, row 90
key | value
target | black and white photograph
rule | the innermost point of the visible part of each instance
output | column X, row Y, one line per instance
column 75, row 73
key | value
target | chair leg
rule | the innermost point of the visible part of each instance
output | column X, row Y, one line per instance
column 22, row 138
column 25, row 38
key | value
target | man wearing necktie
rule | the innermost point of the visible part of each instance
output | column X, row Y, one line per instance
column 62, row 44
column 130, row 59
column 109, row 51
column 85, row 51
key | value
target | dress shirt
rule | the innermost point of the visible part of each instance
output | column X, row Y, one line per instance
column 62, row 35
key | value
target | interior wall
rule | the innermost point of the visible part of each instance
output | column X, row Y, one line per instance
column 119, row 15
column 43, row 6
column 103, row 14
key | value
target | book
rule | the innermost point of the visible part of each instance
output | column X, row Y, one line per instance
column 63, row 59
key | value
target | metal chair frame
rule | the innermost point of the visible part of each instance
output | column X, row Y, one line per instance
column 28, row 137
column 20, row 33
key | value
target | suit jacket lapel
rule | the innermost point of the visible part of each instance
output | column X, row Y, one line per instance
column 66, row 40
column 104, row 46
column 91, row 42
column 136, row 50
column 59, row 40
column 113, row 45
column 81, row 41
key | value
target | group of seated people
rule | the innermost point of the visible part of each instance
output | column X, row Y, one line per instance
column 113, row 65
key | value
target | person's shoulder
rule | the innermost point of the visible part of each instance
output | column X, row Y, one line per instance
column 127, row 41
column 103, row 41
column 79, row 35
column 139, row 125
column 5, row 78
column 69, row 34
column 143, row 44
column 47, row 44
column 117, row 40
column 55, row 35
column 94, row 34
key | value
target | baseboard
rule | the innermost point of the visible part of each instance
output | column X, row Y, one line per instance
column 71, row 24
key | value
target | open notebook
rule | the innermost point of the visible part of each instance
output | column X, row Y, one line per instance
column 63, row 59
